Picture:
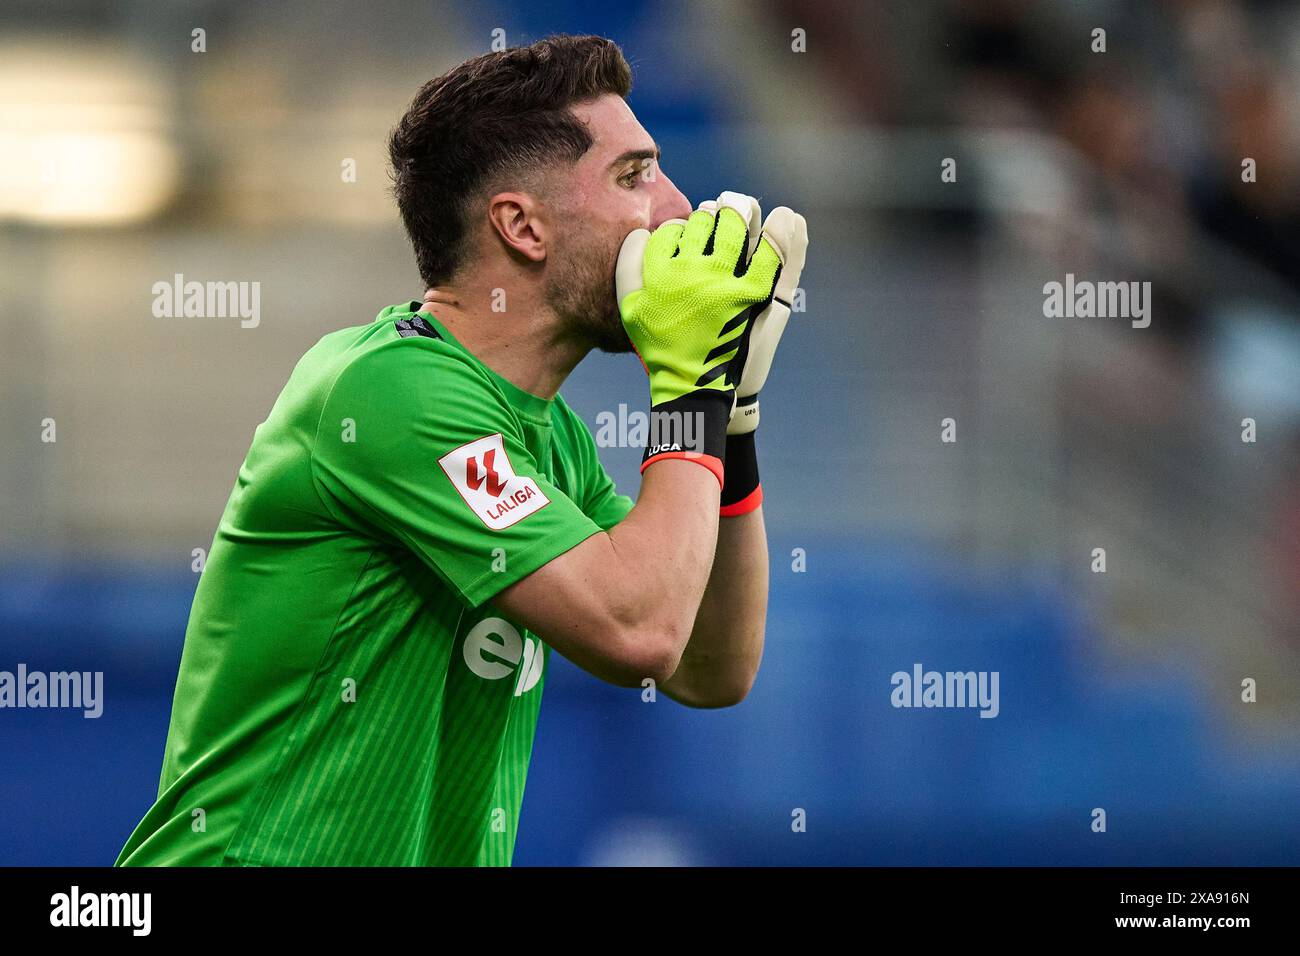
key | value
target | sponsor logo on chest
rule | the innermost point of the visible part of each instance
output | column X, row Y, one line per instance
column 494, row 649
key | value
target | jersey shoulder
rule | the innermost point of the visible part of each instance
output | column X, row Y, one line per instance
column 405, row 366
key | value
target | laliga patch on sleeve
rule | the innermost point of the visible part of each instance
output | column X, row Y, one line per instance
column 482, row 474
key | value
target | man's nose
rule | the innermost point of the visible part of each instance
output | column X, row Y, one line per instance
column 669, row 204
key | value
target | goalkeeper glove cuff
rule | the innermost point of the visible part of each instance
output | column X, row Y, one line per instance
column 691, row 427
column 741, row 491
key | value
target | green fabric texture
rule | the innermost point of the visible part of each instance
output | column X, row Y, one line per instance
column 348, row 694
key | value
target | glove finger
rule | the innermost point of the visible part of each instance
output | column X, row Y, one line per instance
column 629, row 274
column 696, row 233
column 663, row 244
column 731, row 239
column 788, row 232
column 763, row 339
column 760, row 278
column 750, row 211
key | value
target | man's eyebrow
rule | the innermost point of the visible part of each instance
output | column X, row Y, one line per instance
column 637, row 154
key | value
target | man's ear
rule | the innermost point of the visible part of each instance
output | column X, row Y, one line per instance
column 517, row 220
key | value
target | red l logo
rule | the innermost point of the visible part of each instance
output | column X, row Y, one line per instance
column 494, row 483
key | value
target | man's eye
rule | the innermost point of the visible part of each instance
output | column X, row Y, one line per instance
column 629, row 179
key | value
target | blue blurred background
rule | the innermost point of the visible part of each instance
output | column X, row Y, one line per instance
column 128, row 158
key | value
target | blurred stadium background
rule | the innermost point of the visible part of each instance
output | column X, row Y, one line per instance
column 128, row 158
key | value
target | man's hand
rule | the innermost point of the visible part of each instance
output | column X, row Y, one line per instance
column 787, row 231
column 683, row 292
column 688, row 295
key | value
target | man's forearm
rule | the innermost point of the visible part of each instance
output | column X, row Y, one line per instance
column 722, row 657
column 661, row 552
column 620, row 605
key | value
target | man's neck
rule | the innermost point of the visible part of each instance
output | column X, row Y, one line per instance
column 522, row 345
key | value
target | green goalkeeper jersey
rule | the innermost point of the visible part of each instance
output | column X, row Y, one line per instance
column 347, row 692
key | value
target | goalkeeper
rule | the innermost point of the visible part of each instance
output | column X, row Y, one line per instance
column 421, row 519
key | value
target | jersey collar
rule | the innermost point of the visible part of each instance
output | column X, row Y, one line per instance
column 533, row 406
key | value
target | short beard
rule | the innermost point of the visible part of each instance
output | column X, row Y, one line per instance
column 581, row 293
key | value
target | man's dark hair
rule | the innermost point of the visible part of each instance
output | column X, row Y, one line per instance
column 502, row 114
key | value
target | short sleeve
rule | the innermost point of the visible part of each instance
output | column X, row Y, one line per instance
column 599, row 498
column 416, row 444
